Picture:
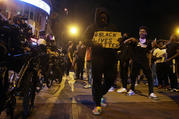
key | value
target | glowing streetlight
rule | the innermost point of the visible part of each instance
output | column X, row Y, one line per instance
column 177, row 31
column 73, row 31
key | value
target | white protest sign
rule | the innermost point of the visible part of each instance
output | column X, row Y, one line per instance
column 107, row 39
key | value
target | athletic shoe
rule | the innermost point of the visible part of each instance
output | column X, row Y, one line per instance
column 87, row 86
column 122, row 90
column 174, row 90
column 111, row 89
column 131, row 92
column 97, row 110
column 152, row 95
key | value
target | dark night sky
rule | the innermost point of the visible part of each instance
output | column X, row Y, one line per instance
column 161, row 16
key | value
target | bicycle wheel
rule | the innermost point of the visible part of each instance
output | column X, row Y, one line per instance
column 29, row 95
column 50, row 77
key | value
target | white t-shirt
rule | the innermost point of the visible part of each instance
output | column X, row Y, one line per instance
column 160, row 53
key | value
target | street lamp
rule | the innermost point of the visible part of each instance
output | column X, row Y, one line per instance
column 73, row 30
column 177, row 31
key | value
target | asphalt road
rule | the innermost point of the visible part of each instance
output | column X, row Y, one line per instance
column 69, row 100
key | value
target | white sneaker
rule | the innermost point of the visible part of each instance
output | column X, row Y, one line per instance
column 111, row 89
column 87, row 86
column 174, row 90
column 152, row 95
column 131, row 92
column 122, row 90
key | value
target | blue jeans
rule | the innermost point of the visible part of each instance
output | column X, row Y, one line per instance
column 89, row 71
column 154, row 74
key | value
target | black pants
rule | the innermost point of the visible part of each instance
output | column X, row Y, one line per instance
column 68, row 66
column 100, row 66
column 162, row 75
column 80, row 67
column 177, row 69
column 124, row 64
column 172, row 75
column 136, row 66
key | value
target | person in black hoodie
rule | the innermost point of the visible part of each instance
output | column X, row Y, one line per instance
column 141, row 60
column 104, row 57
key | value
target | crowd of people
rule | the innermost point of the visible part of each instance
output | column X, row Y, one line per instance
column 158, row 59
column 154, row 60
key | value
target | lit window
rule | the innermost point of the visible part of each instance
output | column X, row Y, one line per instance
column 38, row 3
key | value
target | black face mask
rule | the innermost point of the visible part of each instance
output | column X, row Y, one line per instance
column 103, row 19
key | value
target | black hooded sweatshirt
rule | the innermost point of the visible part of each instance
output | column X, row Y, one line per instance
column 98, row 50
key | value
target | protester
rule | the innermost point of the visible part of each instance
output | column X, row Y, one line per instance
column 140, row 49
column 172, row 60
column 88, row 67
column 69, row 58
column 160, row 55
column 104, row 60
column 153, row 68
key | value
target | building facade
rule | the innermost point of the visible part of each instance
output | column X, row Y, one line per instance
column 36, row 11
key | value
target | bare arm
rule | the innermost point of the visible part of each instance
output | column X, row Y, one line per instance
column 132, row 39
column 174, row 56
column 150, row 58
column 51, row 52
column 69, row 55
